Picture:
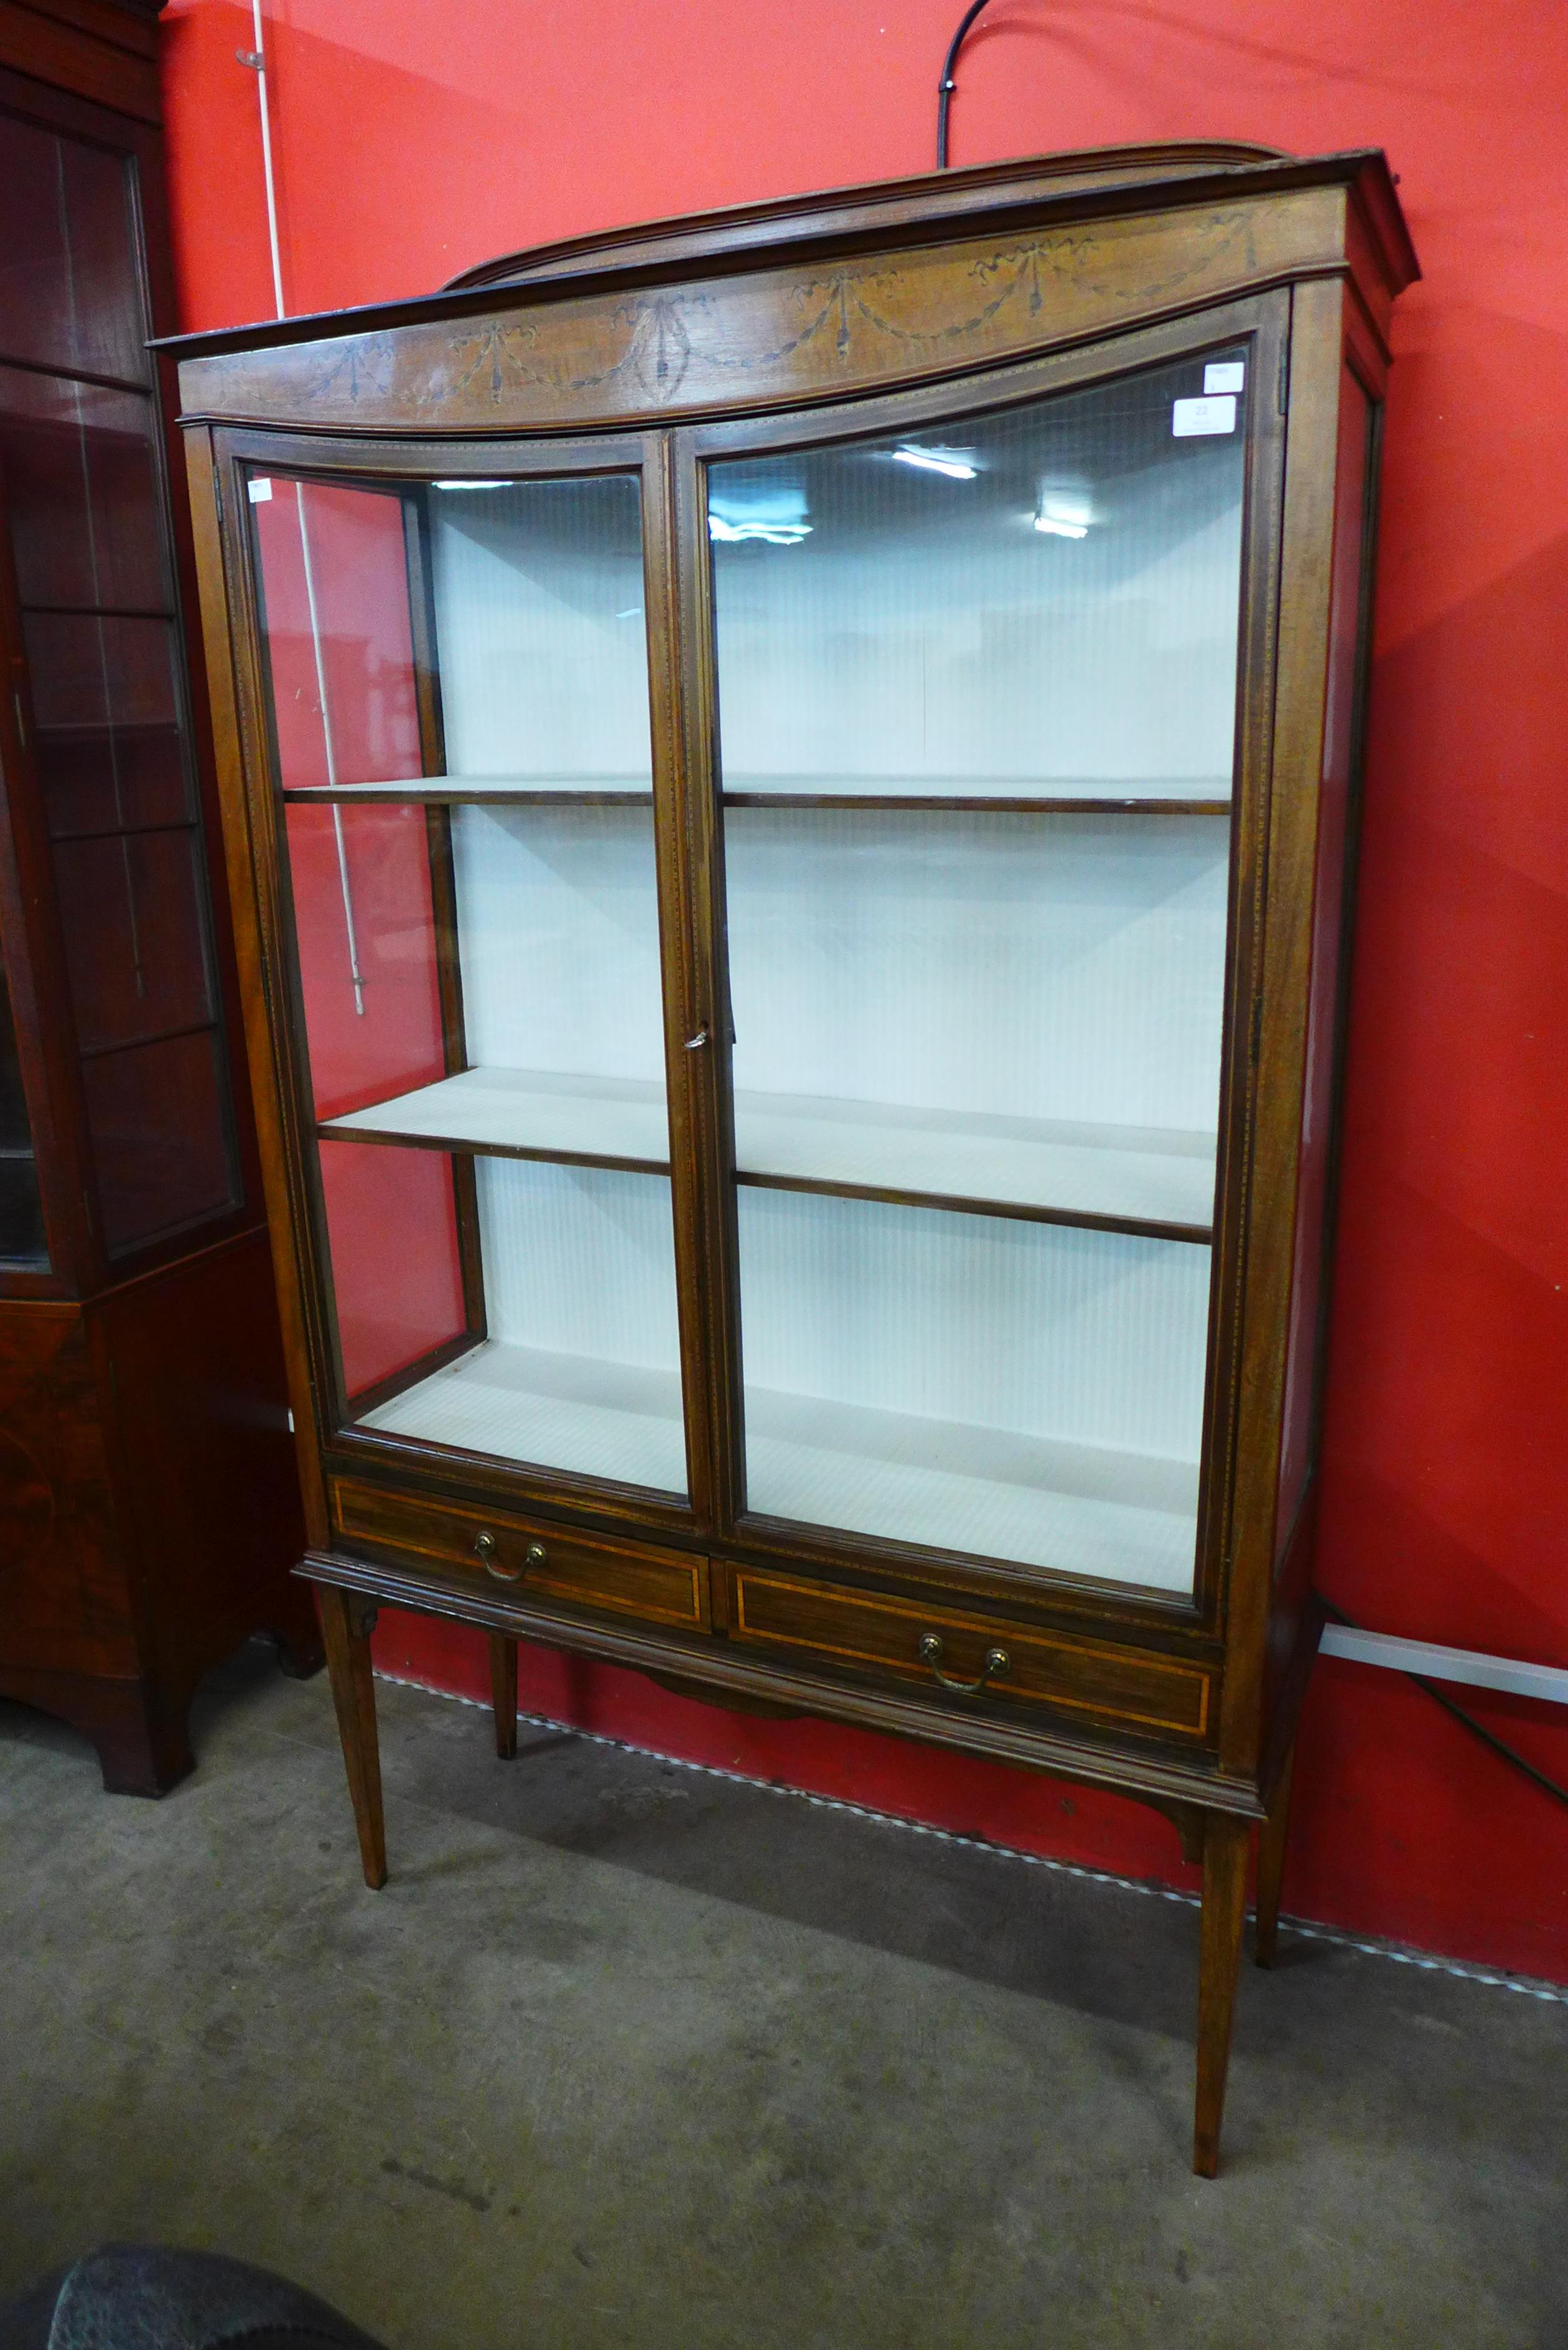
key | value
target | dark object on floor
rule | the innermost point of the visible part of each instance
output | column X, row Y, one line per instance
column 149, row 2297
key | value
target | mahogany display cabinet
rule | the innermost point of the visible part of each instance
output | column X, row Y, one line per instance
column 148, row 1516
column 790, row 784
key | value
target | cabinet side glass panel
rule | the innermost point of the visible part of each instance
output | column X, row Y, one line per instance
column 102, row 655
column 977, row 701
column 460, row 693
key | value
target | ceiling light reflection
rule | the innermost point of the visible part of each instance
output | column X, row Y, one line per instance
column 771, row 533
column 1063, row 517
column 958, row 465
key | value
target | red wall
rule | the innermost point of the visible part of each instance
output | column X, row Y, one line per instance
column 417, row 136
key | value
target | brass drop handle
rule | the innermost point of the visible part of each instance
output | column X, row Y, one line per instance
column 487, row 1551
column 997, row 1662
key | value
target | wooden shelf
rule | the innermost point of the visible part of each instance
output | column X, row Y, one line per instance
column 1120, row 1179
column 908, row 802
column 505, row 791
column 1070, row 798
column 1141, row 1180
column 619, row 1423
column 524, row 1114
column 989, row 794
column 1079, row 1508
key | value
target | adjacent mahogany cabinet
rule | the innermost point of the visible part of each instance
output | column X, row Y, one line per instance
column 790, row 783
column 148, row 1511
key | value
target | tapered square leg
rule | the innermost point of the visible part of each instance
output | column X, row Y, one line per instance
column 503, row 1694
column 347, row 1623
column 1225, row 1846
column 1271, row 1839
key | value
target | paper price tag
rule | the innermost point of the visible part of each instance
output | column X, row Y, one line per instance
column 1224, row 375
column 1190, row 417
column 260, row 489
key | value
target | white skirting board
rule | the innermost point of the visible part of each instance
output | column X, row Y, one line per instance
column 1439, row 1664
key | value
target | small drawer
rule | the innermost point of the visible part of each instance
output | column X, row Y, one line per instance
column 501, row 1554
column 978, row 1659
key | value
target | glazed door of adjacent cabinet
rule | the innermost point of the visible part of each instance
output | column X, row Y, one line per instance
column 458, row 680
column 140, row 1132
column 979, row 678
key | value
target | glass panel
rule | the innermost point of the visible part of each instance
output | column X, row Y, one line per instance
column 581, row 1369
column 977, row 694
column 1021, row 1391
column 370, row 985
column 81, row 501
column 1037, row 603
column 102, row 776
column 545, row 676
column 460, row 705
column 1017, row 1008
column 391, row 1222
column 21, row 1211
column 158, row 1121
column 340, row 638
column 69, row 284
column 82, row 493
column 131, row 914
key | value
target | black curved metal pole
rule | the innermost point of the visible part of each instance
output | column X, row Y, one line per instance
column 945, row 86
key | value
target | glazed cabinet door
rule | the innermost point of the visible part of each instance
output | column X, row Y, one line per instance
column 100, row 779
column 977, row 738
column 456, row 676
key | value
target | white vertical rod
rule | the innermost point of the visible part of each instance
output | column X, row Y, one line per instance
column 328, row 746
column 257, row 62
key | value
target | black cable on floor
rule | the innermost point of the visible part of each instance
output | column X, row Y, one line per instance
column 1476, row 1728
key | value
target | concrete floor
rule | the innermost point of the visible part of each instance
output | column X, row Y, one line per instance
column 626, row 2054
